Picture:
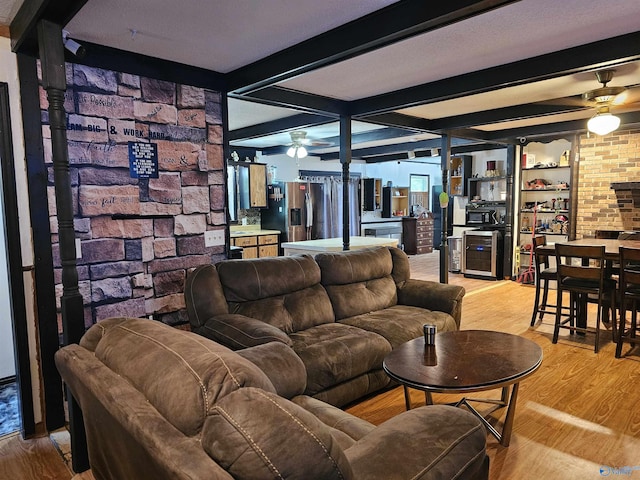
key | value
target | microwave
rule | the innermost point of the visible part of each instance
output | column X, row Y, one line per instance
column 481, row 216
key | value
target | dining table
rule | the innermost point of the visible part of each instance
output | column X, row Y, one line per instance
column 611, row 255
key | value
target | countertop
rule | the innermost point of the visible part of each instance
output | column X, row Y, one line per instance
column 335, row 244
column 250, row 231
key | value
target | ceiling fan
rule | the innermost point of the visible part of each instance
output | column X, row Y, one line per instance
column 604, row 99
column 298, row 142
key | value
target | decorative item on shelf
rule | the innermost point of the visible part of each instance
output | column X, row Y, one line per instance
column 562, row 186
column 564, row 158
column 235, row 157
column 537, row 184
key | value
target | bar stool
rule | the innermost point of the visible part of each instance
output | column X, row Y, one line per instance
column 581, row 272
column 544, row 274
column 629, row 288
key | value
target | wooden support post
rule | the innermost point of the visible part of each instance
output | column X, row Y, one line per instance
column 345, row 160
column 51, row 51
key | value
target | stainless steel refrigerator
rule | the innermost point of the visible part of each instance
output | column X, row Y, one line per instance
column 308, row 210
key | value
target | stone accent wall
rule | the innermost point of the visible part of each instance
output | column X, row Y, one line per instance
column 139, row 237
column 605, row 160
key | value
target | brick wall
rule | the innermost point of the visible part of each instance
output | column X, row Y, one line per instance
column 603, row 160
column 137, row 266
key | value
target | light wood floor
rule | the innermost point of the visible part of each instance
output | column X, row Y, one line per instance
column 576, row 414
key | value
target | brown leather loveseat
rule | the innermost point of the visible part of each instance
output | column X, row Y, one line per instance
column 165, row 404
column 341, row 313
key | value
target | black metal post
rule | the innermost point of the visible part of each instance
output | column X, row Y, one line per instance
column 51, row 51
column 507, row 266
column 445, row 156
column 345, row 160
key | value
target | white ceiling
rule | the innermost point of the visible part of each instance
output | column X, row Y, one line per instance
column 223, row 36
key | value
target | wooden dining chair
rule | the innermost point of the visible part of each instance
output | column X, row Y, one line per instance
column 545, row 274
column 581, row 273
column 629, row 290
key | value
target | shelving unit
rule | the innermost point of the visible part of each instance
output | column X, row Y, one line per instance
column 459, row 173
column 395, row 202
column 488, row 188
column 372, row 198
column 546, row 188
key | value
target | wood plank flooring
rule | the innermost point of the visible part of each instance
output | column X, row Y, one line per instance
column 576, row 414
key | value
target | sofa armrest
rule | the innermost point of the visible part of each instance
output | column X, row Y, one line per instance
column 237, row 331
column 281, row 364
column 436, row 441
column 436, row 296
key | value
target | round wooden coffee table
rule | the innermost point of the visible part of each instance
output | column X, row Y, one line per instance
column 467, row 361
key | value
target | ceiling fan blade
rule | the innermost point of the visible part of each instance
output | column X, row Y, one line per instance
column 573, row 101
column 630, row 95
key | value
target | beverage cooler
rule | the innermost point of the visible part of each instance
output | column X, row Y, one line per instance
column 482, row 252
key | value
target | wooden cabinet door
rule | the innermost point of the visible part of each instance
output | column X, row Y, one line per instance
column 258, row 185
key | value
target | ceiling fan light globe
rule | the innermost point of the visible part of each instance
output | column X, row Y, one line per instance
column 603, row 123
column 291, row 152
column 302, row 152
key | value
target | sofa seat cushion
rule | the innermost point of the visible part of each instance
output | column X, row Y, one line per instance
column 430, row 442
column 334, row 353
column 255, row 435
column 151, row 355
column 401, row 323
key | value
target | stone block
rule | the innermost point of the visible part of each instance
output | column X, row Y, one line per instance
column 190, row 224
column 216, row 177
column 125, row 91
column 106, row 176
column 87, row 129
column 155, row 112
column 111, row 289
column 133, row 249
column 128, row 80
column 51, row 201
column 215, row 157
column 218, row 197
column 166, row 283
column 190, row 97
column 191, row 118
column 106, row 227
column 195, row 179
column 101, row 200
column 142, row 280
column 82, row 225
column 163, row 227
column 177, row 156
column 166, row 264
column 217, row 218
column 195, row 200
column 192, row 245
column 134, row 307
column 102, row 250
column 215, row 134
column 108, row 106
column 166, row 304
column 95, row 78
column 164, row 247
column 157, row 90
column 155, row 208
column 166, row 188
column 177, row 133
column 115, row 269
column 98, row 154
column 147, row 249
column 213, row 107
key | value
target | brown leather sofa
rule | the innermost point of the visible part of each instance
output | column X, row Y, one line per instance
column 342, row 313
column 161, row 403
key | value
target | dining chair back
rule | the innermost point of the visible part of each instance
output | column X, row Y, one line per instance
column 581, row 272
column 629, row 290
column 545, row 274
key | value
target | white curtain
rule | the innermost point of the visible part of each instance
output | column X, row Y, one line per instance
column 327, row 194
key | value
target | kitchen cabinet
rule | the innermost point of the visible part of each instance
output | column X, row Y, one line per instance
column 257, row 246
column 417, row 235
column 459, row 173
column 248, row 185
column 372, row 196
column 395, row 201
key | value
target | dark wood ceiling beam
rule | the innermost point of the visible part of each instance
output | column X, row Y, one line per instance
column 398, row 120
column 604, row 53
column 383, row 27
column 24, row 38
column 285, row 97
column 294, row 122
column 516, row 112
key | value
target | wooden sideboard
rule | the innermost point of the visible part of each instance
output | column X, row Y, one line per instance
column 417, row 235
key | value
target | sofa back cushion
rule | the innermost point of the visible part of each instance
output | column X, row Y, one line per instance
column 358, row 281
column 254, row 434
column 180, row 373
column 282, row 291
column 204, row 296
